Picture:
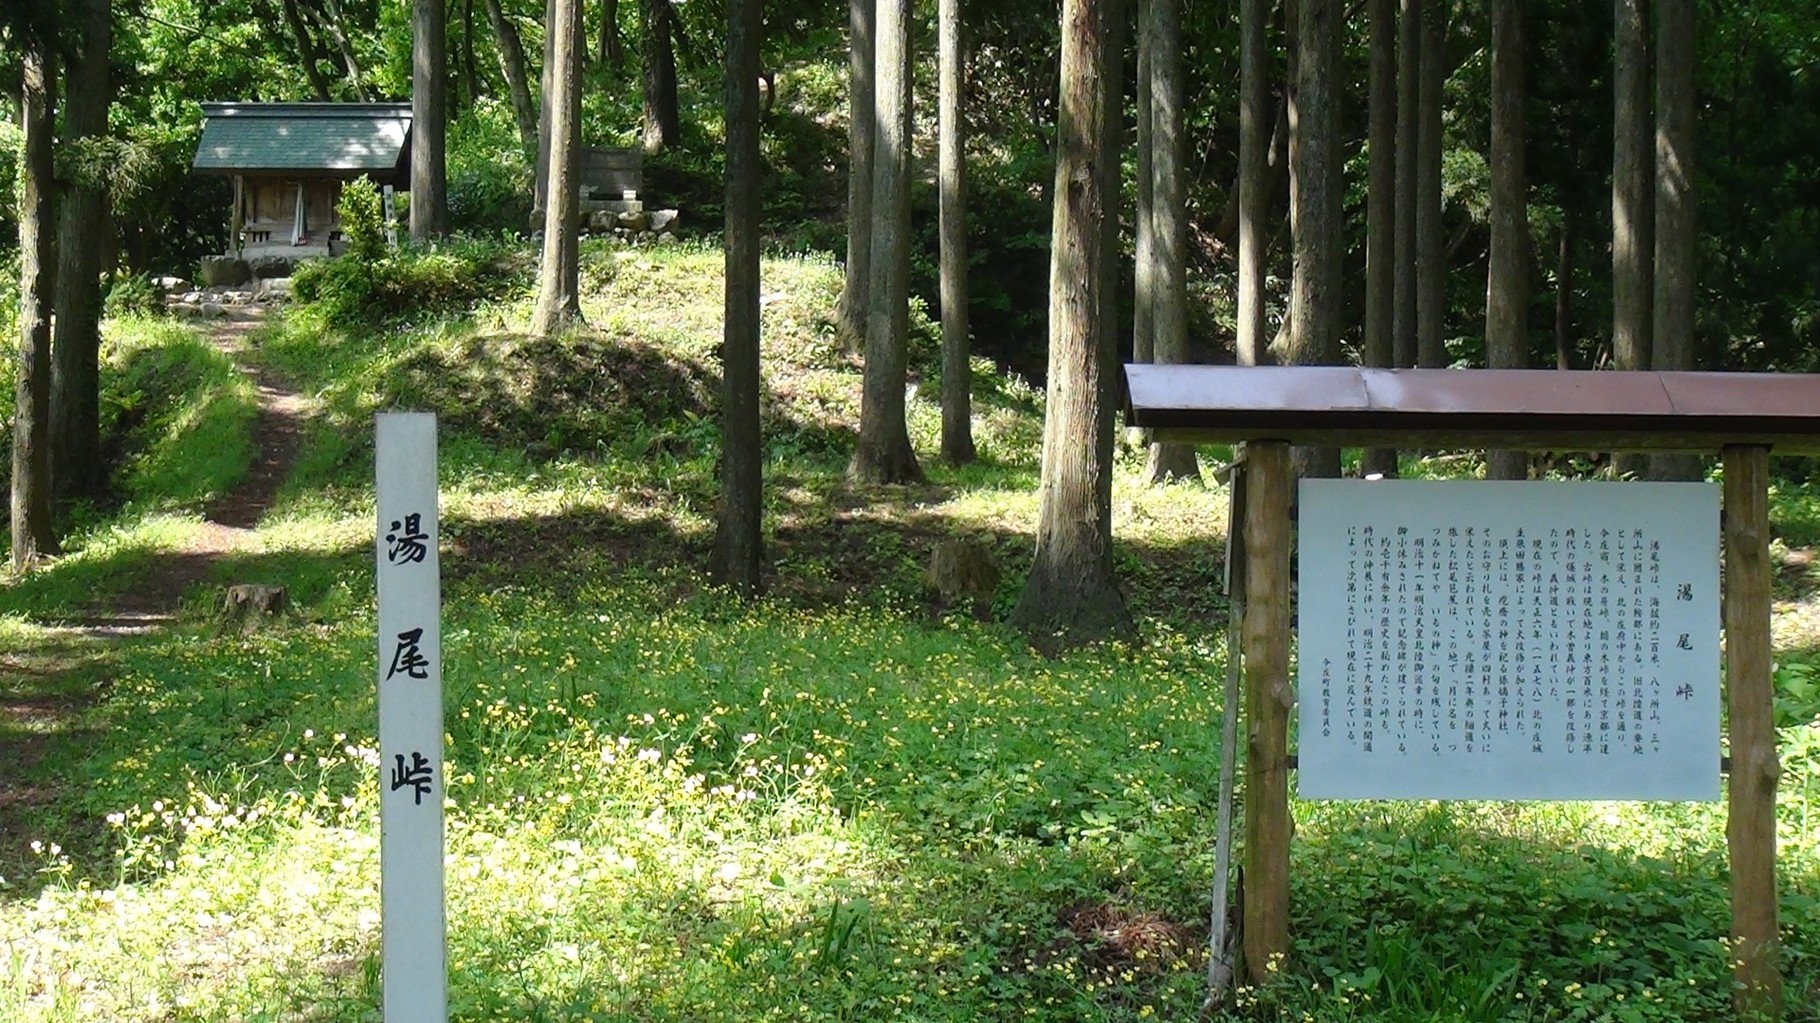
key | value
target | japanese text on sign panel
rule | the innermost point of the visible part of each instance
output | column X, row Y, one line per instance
column 1508, row 640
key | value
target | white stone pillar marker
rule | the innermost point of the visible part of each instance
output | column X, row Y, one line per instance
column 414, row 955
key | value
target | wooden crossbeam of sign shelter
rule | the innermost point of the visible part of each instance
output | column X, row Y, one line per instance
column 1538, row 409
column 1744, row 416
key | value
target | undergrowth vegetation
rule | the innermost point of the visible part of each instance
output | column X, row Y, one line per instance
column 836, row 804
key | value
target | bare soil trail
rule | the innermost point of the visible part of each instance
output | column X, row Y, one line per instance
column 229, row 521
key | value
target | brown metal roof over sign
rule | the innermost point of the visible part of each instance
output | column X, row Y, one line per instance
column 1536, row 409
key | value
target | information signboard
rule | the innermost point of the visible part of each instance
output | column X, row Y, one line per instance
column 1508, row 640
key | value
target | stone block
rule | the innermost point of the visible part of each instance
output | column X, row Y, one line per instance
column 224, row 270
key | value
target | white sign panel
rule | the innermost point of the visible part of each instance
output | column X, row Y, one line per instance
column 410, row 721
column 1508, row 640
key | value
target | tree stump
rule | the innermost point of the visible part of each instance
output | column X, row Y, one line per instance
column 963, row 569
column 248, row 602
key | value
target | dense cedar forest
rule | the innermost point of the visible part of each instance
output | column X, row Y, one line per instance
column 653, row 75
column 1407, row 183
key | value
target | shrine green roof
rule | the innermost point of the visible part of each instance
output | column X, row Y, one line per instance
column 327, row 139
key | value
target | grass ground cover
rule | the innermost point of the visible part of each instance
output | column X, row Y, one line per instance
column 667, row 805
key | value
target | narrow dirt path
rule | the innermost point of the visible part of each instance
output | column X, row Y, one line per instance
column 46, row 688
column 229, row 521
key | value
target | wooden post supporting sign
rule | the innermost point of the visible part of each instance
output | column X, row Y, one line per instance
column 1269, row 485
column 414, row 952
column 1751, row 825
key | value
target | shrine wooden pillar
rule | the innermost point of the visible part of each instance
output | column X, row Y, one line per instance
column 237, row 219
column 1750, row 830
column 1270, row 489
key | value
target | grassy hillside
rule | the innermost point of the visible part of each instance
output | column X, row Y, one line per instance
column 666, row 805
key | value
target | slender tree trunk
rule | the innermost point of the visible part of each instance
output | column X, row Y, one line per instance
column 429, row 120
column 1168, row 217
column 1673, row 314
column 1110, row 166
column 612, row 54
column 739, row 536
column 558, row 293
column 1144, row 269
column 306, row 50
column 1632, row 199
column 1632, row 195
column 512, row 66
column 663, row 116
column 1403, row 241
column 1254, row 176
column 1431, row 271
column 470, row 75
column 1507, row 280
column 1380, row 211
column 1564, row 290
column 1281, row 344
column 545, row 88
column 862, row 129
column 1314, row 181
column 337, row 28
column 31, row 483
column 75, row 423
column 957, row 376
column 883, row 454
column 1071, row 596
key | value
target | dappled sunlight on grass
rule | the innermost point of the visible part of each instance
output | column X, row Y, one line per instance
column 704, row 810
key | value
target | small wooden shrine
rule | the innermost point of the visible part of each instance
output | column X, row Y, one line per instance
column 288, row 162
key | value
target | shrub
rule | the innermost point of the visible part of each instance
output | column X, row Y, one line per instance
column 409, row 283
column 362, row 220
column 132, row 295
column 489, row 177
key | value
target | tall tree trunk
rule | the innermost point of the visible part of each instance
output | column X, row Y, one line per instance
column 558, row 287
column 1403, row 241
column 883, row 454
column 1144, row 269
column 545, row 87
column 739, row 536
column 611, row 54
column 75, row 424
column 1168, row 217
column 31, row 483
column 1110, row 167
column 957, row 376
column 306, row 50
column 470, row 75
column 429, row 120
column 1564, row 290
column 1632, row 198
column 1254, row 176
column 663, row 116
column 1314, row 181
column 512, row 66
column 1507, row 279
column 1071, row 595
column 1285, row 157
column 1431, row 271
column 336, row 25
column 862, row 131
column 1673, row 314
column 1380, row 211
